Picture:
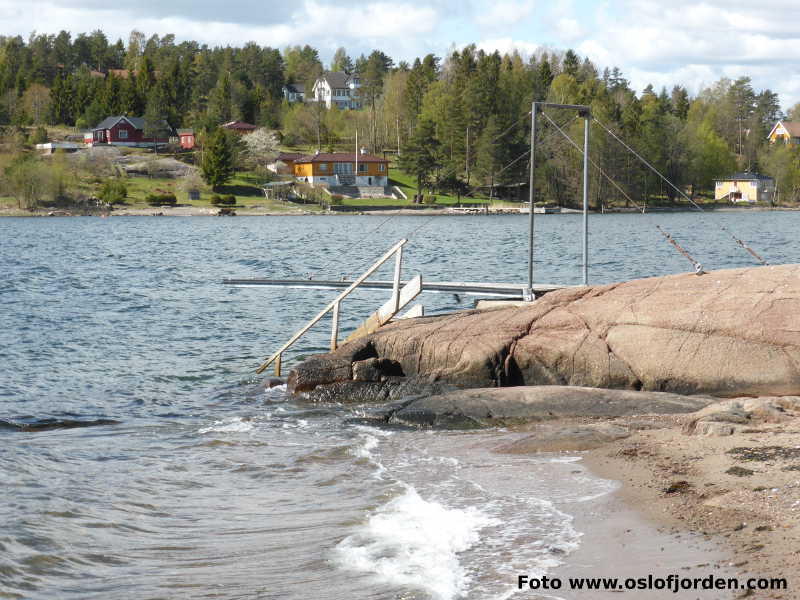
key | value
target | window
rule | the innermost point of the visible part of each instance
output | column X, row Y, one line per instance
column 362, row 167
column 382, row 167
column 122, row 134
column 342, row 168
column 323, row 166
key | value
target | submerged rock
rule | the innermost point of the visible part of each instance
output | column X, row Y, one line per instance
column 725, row 333
column 566, row 438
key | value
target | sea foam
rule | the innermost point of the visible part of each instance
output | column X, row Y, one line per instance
column 235, row 425
column 410, row 541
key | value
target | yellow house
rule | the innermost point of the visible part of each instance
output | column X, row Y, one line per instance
column 342, row 169
column 787, row 131
column 745, row 187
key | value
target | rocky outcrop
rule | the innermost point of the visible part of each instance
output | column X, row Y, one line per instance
column 729, row 416
column 725, row 333
column 487, row 407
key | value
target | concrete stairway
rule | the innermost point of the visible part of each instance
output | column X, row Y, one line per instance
column 360, row 191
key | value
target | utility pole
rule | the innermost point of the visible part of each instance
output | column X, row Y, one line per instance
column 397, row 126
column 467, row 161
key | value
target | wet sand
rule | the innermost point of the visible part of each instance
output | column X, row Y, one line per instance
column 740, row 490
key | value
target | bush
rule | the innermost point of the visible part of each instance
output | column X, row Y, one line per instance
column 227, row 200
column 430, row 200
column 161, row 199
column 336, row 199
column 114, row 191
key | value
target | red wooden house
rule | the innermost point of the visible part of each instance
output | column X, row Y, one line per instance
column 124, row 131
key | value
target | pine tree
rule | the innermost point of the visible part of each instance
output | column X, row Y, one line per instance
column 488, row 150
column 217, row 164
column 60, row 102
column 155, row 116
column 419, row 157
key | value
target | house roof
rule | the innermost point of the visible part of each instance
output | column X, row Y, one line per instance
column 109, row 122
column 792, row 127
column 745, row 177
column 340, row 157
column 284, row 156
column 336, row 79
column 297, row 88
column 137, row 122
column 185, row 131
column 239, row 125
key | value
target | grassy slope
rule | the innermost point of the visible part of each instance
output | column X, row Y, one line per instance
column 244, row 186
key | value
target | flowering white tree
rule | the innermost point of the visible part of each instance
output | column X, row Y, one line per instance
column 261, row 146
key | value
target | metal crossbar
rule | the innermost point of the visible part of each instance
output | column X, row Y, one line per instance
column 335, row 305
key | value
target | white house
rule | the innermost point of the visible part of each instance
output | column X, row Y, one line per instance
column 337, row 88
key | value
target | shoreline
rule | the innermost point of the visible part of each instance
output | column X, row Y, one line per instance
column 256, row 211
column 621, row 541
column 691, row 484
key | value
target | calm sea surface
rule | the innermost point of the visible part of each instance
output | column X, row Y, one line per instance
column 196, row 482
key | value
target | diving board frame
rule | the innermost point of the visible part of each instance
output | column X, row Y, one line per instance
column 586, row 113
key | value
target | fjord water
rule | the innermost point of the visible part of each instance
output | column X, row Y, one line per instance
column 189, row 479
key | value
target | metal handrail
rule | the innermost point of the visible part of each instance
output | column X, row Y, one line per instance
column 397, row 251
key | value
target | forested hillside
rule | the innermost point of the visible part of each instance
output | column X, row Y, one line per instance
column 459, row 121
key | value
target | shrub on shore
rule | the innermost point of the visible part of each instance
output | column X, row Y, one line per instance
column 114, row 191
column 161, row 199
column 226, row 200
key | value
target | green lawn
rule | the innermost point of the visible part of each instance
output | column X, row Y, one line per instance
column 408, row 184
column 245, row 186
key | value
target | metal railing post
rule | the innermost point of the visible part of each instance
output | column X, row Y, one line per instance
column 396, row 287
column 530, row 204
column 375, row 266
column 335, row 326
column 586, row 117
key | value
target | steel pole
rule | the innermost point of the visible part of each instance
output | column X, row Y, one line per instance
column 586, row 199
column 530, row 203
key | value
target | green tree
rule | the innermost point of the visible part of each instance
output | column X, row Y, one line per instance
column 488, row 154
column 420, row 156
column 155, row 124
column 341, row 61
column 217, row 163
column 782, row 163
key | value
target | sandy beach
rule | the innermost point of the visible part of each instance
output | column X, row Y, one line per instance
column 742, row 488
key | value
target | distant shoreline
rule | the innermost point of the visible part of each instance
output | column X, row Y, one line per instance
column 256, row 211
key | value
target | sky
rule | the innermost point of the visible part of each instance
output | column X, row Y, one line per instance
column 662, row 42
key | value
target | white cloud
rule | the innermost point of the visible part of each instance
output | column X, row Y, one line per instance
column 569, row 30
column 507, row 45
column 317, row 22
column 504, row 13
column 694, row 44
